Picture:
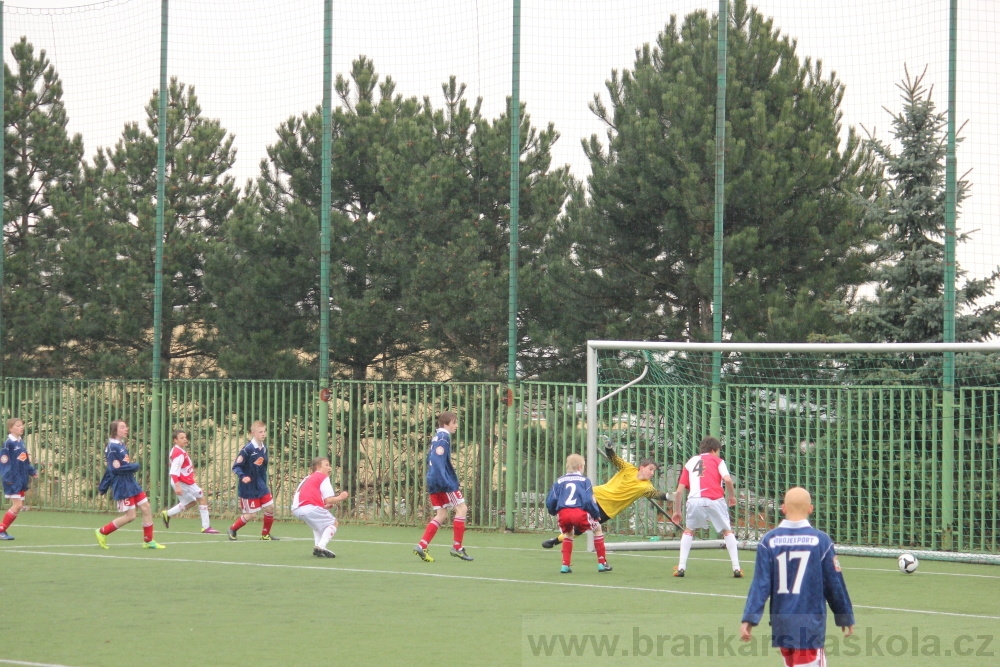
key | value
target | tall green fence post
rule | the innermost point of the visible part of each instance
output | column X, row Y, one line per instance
column 515, row 192
column 950, row 203
column 156, row 412
column 720, row 206
column 3, row 170
column 324, row 225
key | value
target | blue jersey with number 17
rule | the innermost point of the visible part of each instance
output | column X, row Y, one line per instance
column 572, row 490
column 797, row 568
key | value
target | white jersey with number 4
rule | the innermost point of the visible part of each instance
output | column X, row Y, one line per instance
column 703, row 475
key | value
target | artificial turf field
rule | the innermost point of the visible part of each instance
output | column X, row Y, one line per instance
column 207, row 601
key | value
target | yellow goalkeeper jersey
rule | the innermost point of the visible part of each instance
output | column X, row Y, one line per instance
column 623, row 489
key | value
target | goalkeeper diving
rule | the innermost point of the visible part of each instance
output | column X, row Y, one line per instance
column 626, row 486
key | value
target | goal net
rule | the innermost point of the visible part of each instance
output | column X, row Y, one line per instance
column 897, row 443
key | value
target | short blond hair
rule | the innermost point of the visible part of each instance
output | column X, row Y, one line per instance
column 574, row 463
column 11, row 422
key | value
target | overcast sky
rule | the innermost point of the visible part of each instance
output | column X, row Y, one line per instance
column 254, row 63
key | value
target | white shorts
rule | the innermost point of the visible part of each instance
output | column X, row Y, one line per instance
column 317, row 518
column 446, row 499
column 189, row 493
column 701, row 511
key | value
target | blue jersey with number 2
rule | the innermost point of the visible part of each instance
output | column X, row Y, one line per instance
column 572, row 490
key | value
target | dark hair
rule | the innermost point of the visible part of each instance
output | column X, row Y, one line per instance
column 647, row 462
column 177, row 432
column 113, row 431
column 446, row 418
column 709, row 444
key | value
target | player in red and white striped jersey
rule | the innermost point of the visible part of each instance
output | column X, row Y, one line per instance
column 312, row 502
column 187, row 490
column 704, row 475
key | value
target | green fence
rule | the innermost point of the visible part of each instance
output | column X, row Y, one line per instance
column 872, row 458
column 870, row 455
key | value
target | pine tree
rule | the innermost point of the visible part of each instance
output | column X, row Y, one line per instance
column 794, row 230
column 457, row 205
column 42, row 162
column 420, row 229
column 109, row 253
column 266, row 279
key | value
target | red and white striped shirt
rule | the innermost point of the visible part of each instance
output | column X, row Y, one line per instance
column 181, row 468
column 703, row 475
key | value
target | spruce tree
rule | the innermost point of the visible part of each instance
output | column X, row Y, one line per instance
column 908, row 305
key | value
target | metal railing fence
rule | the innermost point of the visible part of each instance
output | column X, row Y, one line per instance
column 870, row 455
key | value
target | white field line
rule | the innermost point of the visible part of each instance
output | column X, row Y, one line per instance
column 499, row 580
column 162, row 532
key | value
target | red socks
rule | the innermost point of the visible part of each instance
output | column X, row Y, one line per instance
column 8, row 519
column 147, row 533
column 601, row 552
column 459, row 528
column 430, row 532
column 239, row 523
column 108, row 529
column 567, row 551
column 268, row 522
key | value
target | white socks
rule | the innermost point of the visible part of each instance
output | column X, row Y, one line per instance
column 327, row 536
column 686, row 540
column 734, row 555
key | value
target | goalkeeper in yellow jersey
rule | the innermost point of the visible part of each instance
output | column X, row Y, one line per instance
column 624, row 488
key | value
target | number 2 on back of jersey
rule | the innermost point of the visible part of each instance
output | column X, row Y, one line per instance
column 571, row 499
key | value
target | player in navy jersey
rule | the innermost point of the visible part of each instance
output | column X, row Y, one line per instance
column 572, row 500
column 703, row 476
column 119, row 477
column 444, row 490
column 312, row 502
column 251, row 471
column 798, row 570
column 16, row 471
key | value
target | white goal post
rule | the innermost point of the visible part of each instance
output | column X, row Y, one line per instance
column 674, row 350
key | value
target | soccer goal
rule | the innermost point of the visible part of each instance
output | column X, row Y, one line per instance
column 896, row 442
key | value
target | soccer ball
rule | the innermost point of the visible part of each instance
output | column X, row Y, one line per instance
column 908, row 563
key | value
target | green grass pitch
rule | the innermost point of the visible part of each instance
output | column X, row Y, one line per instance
column 207, row 601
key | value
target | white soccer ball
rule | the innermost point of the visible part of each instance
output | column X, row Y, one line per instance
column 908, row 563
